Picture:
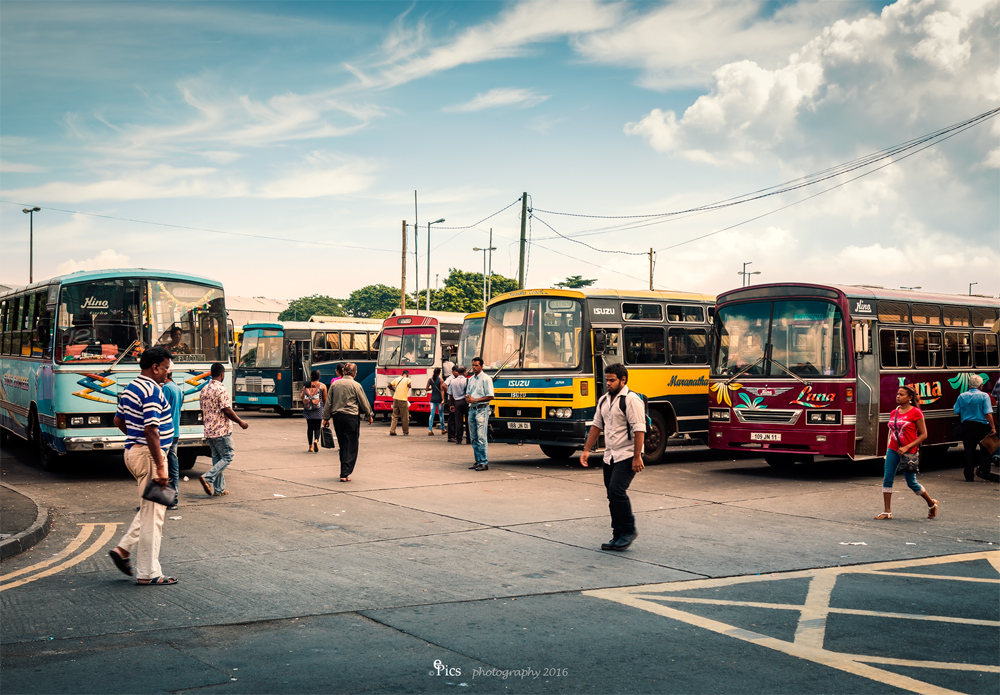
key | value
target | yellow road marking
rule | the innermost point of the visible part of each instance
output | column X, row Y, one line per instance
column 937, row 576
column 811, row 630
column 106, row 535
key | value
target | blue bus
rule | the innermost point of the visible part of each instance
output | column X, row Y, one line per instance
column 277, row 357
column 71, row 344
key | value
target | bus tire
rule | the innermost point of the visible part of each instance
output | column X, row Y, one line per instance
column 780, row 461
column 656, row 439
column 47, row 458
column 186, row 459
column 557, row 452
column 4, row 437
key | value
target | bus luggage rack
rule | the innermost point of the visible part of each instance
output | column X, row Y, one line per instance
column 255, row 383
column 520, row 412
column 767, row 417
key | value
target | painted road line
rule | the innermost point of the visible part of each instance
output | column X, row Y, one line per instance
column 85, row 532
column 810, row 632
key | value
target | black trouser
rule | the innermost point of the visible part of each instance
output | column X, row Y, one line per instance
column 312, row 430
column 617, row 477
column 347, row 428
column 456, row 421
column 975, row 456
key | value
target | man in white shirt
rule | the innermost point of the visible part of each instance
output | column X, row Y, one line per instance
column 624, row 435
column 478, row 394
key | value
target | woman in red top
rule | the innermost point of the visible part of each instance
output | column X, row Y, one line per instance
column 907, row 431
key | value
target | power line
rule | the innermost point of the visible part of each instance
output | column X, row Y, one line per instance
column 473, row 226
column 583, row 243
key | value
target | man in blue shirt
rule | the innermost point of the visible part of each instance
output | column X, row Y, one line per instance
column 976, row 411
column 144, row 416
column 175, row 398
column 478, row 394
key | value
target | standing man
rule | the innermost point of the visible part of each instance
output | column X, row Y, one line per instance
column 346, row 403
column 400, row 387
column 624, row 434
column 459, row 407
column 175, row 398
column 446, row 400
column 217, row 412
column 976, row 411
column 143, row 415
column 478, row 394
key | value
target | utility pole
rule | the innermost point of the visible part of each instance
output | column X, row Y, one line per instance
column 489, row 285
column 416, row 251
column 402, row 291
column 650, row 270
column 524, row 223
column 970, row 287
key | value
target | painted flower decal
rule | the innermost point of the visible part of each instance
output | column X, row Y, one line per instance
column 960, row 382
column 755, row 404
column 722, row 392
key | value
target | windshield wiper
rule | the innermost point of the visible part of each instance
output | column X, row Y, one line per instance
column 744, row 370
column 517, row 351
column 789, row 373
column 123, row 353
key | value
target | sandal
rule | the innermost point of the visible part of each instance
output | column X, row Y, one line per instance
column 122, row 563
column 884, row 515
column 932, row 510
column 156, row 581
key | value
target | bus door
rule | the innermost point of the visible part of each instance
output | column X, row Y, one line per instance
column 866, row 362
column 300, row 354
column 607, row 341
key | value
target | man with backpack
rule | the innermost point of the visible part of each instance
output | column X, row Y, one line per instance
column 621, row 415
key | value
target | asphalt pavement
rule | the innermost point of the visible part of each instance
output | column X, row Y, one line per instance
column 423, row 576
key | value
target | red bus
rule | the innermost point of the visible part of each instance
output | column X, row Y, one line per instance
column 418, row 343
column 803, row 370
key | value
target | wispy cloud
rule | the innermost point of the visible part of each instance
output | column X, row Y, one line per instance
column 499, row 97
column 108, row 258
column 19, row 167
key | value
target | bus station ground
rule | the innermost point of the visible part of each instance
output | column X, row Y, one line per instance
column 421, row 575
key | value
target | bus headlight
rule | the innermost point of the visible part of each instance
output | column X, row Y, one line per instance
column 269, row 389
column 419, row 393
column 718, row 414
column 240, row 387
column 824, row 417
column 76, row 421
column 380, row 392
column 560, row 413
column 93, row 419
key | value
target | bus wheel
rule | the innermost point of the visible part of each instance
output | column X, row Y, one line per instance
column 780, row 461
column 47, row 458
column 557, row 452
column 656, row 439
column 186, row 459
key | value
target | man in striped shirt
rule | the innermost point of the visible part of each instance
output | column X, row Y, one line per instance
column 145, row 417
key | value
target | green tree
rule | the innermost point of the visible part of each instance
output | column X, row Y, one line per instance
column 463, row 292
column 302, row 308
column 374, row 301
column 574, row 282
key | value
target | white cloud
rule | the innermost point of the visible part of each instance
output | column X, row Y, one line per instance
column 499, row 97
column 19, row 167
column 320, row 180
column 108, row 258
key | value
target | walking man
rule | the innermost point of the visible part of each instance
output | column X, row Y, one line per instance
column 175, row 398
column 446, row 400
column 459, row 407
column 400, row 387
column 623, row 421
column 478, row 394
column 217, row 412
column 143, row 415
column 346, row 403
column 976, row 411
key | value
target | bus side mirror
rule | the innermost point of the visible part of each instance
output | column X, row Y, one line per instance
column 862, row 338
column 600, row 342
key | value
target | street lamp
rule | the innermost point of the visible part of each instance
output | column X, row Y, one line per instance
column 30, row 212
column 970, row 284
column 487, row 249
column 745, row 274
column 429, row 260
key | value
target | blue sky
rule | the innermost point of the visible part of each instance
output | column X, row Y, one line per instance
column 314, row 122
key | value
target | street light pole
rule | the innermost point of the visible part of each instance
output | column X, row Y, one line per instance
column 488, row 248
column 30, row 212
column 970, row 284
column 429, row 260
column 746, row 275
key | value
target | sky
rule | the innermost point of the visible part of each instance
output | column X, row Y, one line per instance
column 278, row 146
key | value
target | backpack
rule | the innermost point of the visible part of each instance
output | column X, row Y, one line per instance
column 311, row 399
column 623, row 405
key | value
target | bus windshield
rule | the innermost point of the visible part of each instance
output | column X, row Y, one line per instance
column 805, row 337
column 536, row 333
column 407, row 346
column 189, row 320
column 468, row 343
column 99, row 319
column 262, row 348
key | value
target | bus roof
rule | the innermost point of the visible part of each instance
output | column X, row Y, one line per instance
column 88, row 275
column 869, row 292
column 310, row 325
column 598, row 293
column 445, row 316
column 476, row 315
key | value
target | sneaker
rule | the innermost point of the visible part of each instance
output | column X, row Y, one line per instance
column 172, row 508
column 430, row 433
column 473, row 466
column 481, row 467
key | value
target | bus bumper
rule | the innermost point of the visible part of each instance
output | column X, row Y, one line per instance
column 117, row 443
column 557, row 432
column 255, row 402
column 818, row 442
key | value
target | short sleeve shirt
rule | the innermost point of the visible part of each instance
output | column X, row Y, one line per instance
column 609, row 417
column 903, row 428
column 402, row 384
column 214, row 399
column 175, row 398
column 140, row 405
column 973, row 406
column 479, row 386
column 457, row 388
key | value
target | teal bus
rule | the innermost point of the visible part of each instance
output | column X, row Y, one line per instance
column 277, row 357
column 70, row 344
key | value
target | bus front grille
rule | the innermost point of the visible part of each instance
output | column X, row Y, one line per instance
column 767, row 416
column 254, row 383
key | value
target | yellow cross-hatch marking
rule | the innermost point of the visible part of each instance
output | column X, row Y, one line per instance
column 810, row 632
column 65, row 557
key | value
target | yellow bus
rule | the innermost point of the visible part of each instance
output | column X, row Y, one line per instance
column 547, row 350
column 470, row 342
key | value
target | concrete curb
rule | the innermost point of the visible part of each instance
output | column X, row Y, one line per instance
column 34, row 533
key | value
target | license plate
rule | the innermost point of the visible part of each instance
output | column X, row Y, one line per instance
column 765, row 437
column 519, row 425
column 252, row 398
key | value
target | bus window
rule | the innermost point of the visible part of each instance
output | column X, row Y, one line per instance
column 927, row 348
column 99, row 319
column 893, row 312
column 685, row 314
column 5, row 345
column 262, row 349
column 39, row 325
column 983, row 317
column 926, row 315
column 688, row 345
column 14, row 326
column 741, row 334
column 326, row 347
column 355, row 345
column 894, row 346
column 633, row 311
column 644, row 345
column 178, row 311
column 807, row 338
column 984, row 345
column 956, row 316
column 957, row 350
column 27, row 322
column 546, row 329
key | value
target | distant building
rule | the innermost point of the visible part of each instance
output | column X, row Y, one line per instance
column 244, row 310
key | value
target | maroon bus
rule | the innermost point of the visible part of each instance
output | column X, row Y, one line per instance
column 801, row 370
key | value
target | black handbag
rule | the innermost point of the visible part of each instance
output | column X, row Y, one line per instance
column 326, row 438
column 908, row 463
column 167, row 496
